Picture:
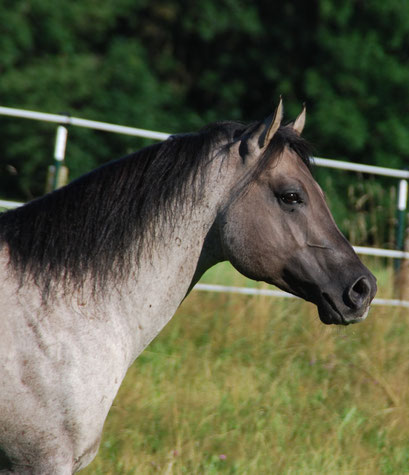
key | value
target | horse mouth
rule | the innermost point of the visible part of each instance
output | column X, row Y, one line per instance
column 329, row 313
column 327, row 310
column 334, row 310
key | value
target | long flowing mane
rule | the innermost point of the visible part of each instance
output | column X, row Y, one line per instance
column 88, row 227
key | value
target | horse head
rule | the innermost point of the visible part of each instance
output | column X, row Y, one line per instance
column 277, row 226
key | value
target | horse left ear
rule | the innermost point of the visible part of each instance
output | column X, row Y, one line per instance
column 272, row 123
column 298, row 124
column 254, row 143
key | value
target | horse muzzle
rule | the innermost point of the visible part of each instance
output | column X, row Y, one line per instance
column 352, row 307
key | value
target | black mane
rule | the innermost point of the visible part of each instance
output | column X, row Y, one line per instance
column 87, row 228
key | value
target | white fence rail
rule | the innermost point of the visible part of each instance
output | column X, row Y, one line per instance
column 360, row 167
column 89, row 124
column 9, row 204
column 280, row 293
column 324, row 162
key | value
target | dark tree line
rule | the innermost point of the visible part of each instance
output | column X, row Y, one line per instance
column 176, row 65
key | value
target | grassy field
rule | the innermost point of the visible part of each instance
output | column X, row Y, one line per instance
column 255, row 385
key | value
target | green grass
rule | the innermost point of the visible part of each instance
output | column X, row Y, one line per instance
column 255, row 385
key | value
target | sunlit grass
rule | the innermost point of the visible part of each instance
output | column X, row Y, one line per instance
column 255, row 385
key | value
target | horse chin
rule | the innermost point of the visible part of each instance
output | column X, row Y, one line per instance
column 330, row 315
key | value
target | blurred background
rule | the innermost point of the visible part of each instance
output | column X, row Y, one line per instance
column 175, row 65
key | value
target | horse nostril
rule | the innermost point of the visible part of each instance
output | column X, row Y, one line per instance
column 359, row 292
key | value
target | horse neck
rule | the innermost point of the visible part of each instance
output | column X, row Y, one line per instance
column 167, row 272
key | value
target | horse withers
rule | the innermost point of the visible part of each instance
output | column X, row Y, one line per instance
column 92, row 272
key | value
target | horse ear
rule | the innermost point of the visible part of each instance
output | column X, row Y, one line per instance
column 298, row 124
column 256, row 142
column 272, row 123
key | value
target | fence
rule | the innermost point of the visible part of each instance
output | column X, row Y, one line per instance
column 402, row 175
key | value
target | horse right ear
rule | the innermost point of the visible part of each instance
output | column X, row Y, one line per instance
column 256, row 141
column 298, row 124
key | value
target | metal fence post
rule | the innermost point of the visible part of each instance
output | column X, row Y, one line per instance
column 401, row 215
column 58, row 173
column 404, row 269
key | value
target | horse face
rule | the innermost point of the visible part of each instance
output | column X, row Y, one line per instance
column 280, row 230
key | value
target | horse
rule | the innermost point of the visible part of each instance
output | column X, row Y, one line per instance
column 92, row 272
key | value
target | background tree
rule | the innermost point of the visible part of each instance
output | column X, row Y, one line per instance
column 174, row 66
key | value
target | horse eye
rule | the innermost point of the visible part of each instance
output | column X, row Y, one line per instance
column 290, row 198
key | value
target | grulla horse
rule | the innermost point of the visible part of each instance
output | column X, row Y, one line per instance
column 92, row 272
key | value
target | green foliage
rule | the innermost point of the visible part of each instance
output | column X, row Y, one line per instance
column 171, row 66
column 361, row 88
column 70, row 58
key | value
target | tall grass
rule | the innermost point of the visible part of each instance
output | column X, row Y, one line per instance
column 254, row 385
